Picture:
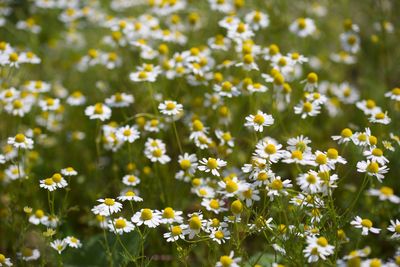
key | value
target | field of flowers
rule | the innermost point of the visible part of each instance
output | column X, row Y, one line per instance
column 199, row 133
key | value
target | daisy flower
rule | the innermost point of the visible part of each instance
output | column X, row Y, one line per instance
column 214, row 205
column 228, row 261
column 220, row 235
column 170, row 108
column 28, row 254
column 277, row 187
column 129, row 195
column 175, row 233
column 107, row 207
column 128, row 133
column 346, row 135
column 394, row 94
column 59, row 245
column 169, row 216
column 365, row 225
column 211, row 165
column 307, row 109
column 394, row 228
column 120, row 226
column 258, row 121
column 372, row 168
column 98, row 111
column 309, row 182
column 73, row 242
column 38, row 217
column 195, row 225
column 147, row 217
column 376, row 154
column 5, row 261
column 130, row 180
column 69, row 171
column 380, row 117
column 303, row 27
column 232, row 186
column 20, row 141
column 384, row 193
column 119, row 100
column 48, row 184
column 317, row 247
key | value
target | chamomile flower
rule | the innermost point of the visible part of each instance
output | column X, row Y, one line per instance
column 59, row 245
column 76, row 99
column 119, row 100
column 28, row 254
column 365, row 225
column 384, row 193
column 169, row 216
column 309, row 182
column 69, row 171
column 394, row 228
column 307, row 109
column 195, row 225
column 277, row 187
column 120, row 226
column 303, row 27
column 170, row 108
column 257, row 20
column 128, row 133
column 20, row 141
column 346, row 135
column 129, row 195
column 73, row 242
column 380, row 117
column 376, row 154
column 214, row 205
column 229, row 261
column 220, row 235
column 5, row 261
column 107, row 207
column 48, row 184
column 211, row 165
column 259, row 121
column 372, row 168
column 394, row 94
column 317, row 248
column 175, row 233
column 98, row 111
column 147, row 217
column 38, row 217
column 130, row 180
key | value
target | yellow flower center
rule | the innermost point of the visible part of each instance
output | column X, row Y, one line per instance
column 321, row 159
column 387, row 191
column 377, row 152
column 301, row 22
column 39, row 214
column 259, row 119
column 19, row 138
column 236, row 207
column 13, row 57
column 176, row 230
column 56, row 177
column 373, row 167
column 98, row 108
column 212, row 163
column 170, row 105
column 311, row 179
column 157, row 152
column 214, row 204
column 109, row 201
column 146, row 214
column 322, row 241
column 370, row 104
column 276, row 184
column 197, row 126
column 226, row 261
column 195, row 223
column 48, row 181
column 2, row 258
column 297, row 154
column 219, row 235
column 346, row 132
column 27, row 252
column 396, row 91
column 241, row 28
column 168, row 213
column 332, row 153
column 231, row 186
column 312, row 77
column 307, row 107
column 380, row 116
column 120, row 223
column 366, row 223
